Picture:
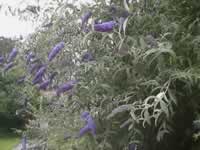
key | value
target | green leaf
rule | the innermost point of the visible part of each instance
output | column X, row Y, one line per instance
column 172, row 96
column 119, row 109
column 126, row 5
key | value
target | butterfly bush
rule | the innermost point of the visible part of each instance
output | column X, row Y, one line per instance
column 105, row 26
column 90, row 125
column 57, row 48
column 65, row 87
column 87, row 57
column 12, row 54
column 8, row 66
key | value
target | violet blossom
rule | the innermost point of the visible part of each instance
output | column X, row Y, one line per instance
column 34, row 67
column 12, row 54
column 90, row 124
column 65, row 87
column 87, row 57
column 1, row 59
column 132, row 146
column 105, row 26
column 44, row 85
column 8, row 66
column 84, row 19
column 56, row 49
column 37, row 80
column 39, row 74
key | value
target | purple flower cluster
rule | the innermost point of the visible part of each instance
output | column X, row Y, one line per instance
column 37, row 80
column 105, row 26
column 87, row 57
column 44, row 85
column 65, row 87
column 132, row 146
column 34, row 67
column 84, row 20
column 8, row 66
column 1, row 59
column 12, row 54
column 57, row 48
column 90, row 125
column 39, row 74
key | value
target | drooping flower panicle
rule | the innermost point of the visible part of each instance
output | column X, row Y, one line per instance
column 84, row 20
column 90, row 124
column 37, row 80
column 132, row 146
column 105, row 26
column 8, row 66
column 12, row 54
column 40, row 73
column 44, row 85
column 65, row 87
column 1, row 59
column 57, row 48
column 34, row 67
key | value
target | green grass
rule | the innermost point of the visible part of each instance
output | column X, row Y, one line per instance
column 8, row 140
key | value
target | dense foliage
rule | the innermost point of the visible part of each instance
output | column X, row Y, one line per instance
column 136, row 71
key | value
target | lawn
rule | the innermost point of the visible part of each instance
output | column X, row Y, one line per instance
column 8, row 140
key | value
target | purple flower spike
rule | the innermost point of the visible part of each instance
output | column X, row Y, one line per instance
column 24, row 143
column 132, row 147
column 40, row 72
column 84, row 19
column 34, row 67
column 44, row 85
column 90, row 124
column 57, row 48
column 12, row 54
column 8, row 66
column 84, row 115
column 1, row 59
column 105, row 26
column 37, row 80
column 65, row 87
column 87, row 57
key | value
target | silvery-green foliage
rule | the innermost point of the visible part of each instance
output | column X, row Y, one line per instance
column 132, row 88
